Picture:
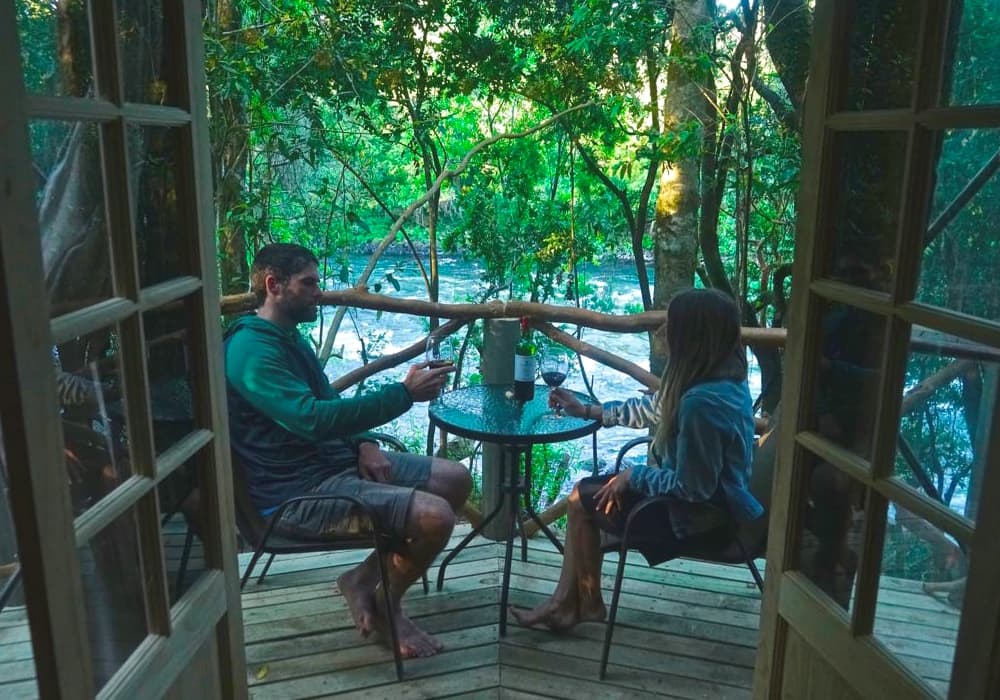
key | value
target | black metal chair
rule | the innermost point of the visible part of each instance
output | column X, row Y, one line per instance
column 732, row 551
column 260, row 533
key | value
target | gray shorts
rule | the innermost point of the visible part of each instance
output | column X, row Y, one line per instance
column 390, row 501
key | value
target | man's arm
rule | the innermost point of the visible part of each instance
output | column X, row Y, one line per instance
column 268, row 384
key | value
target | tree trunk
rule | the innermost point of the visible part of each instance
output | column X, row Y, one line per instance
column 229, row 159
column 789, row 29
column 675, row 225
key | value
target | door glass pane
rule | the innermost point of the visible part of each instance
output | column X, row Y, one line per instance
column 961, row 257
column 95, row 427
column 920, row 596
column 181, row 506
column 142, row 42
column 881, row 52
column 55, row 47
column 114, row 599
column 66, row 158
column 947, row 410
column 17, row 664
column 865, row 210
column 162, row 237
column 848, row 376
column 831, row 529
column 168, row 358
column 972, row 73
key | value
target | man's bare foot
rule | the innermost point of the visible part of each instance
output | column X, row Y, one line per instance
column 360, row 598
column 413, row 641
column 554, row 615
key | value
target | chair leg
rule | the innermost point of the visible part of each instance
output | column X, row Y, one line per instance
column 755, row 572
column 185, row 556
column 612, row 613
column 426, row 585
column 264, row 572
column 10, row 587
column 251, row 565
column 393, row 634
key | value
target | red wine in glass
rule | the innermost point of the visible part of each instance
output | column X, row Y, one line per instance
column 553, row 378
column 554, row 369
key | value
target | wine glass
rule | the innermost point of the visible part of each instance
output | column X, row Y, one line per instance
column 439, row 352
column 554, row 367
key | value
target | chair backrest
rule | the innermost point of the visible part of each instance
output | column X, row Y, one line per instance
column 249, row 521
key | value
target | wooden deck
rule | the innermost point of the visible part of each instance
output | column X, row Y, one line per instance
column 686, row 629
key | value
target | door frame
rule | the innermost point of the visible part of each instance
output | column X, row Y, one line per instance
column 48, row 536
column 792, row 603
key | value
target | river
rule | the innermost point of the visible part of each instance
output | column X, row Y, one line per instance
column 615, row 289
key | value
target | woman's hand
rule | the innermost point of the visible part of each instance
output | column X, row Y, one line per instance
column 569, row 403
column 612, row 494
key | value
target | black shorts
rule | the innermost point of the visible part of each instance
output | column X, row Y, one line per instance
column 389, row 501
column 651, row 534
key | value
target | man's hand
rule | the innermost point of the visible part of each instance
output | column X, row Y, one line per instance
column 373, row 465
column 426, row 384
column 612, row 494
column 569, row 403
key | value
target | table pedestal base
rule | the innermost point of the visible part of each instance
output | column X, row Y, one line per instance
column 517, row 489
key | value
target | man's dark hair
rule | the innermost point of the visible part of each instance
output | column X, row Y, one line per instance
column 281, row 260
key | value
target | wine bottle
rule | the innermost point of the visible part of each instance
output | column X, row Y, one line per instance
column 524, row 365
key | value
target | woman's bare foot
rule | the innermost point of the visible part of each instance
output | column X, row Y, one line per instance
column 413, row 641
column 556, row 616
column 360, row 598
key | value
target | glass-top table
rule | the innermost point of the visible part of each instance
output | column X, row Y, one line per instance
column 490, row 413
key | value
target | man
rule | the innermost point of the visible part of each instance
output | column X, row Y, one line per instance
column 294, row 435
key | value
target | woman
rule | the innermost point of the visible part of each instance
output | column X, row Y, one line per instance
column 703, row 446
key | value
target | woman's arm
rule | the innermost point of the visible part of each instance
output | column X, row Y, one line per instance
column 638, row 412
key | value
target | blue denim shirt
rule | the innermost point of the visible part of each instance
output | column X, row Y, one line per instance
column 708, row 460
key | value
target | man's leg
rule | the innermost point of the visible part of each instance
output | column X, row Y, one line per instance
column 449, row 480
column 430, row 522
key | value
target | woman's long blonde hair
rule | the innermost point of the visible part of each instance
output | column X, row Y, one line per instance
column 703, row 343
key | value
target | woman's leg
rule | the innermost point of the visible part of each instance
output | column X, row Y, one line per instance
column 577, row 597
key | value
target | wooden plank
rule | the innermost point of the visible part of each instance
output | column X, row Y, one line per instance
column 664, row 658
column 549, row 685
column 484, row 679
column 451, row 664
column 367, row 653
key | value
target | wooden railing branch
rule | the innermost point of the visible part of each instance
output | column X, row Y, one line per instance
column 632, row 323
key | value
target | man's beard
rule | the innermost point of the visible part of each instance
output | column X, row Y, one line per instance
column 304, row 314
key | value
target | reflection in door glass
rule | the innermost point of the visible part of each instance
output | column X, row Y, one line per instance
column 114, row 595
column 847, row 377
column 882, row 49
column 72, row 218
column 947, row 409
column 865, row 212
column 920, row 595
column 92, row 411
column 55, row 47
column 17, row 664
column 961, row 253
column 161, row 237
column 832, row 528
